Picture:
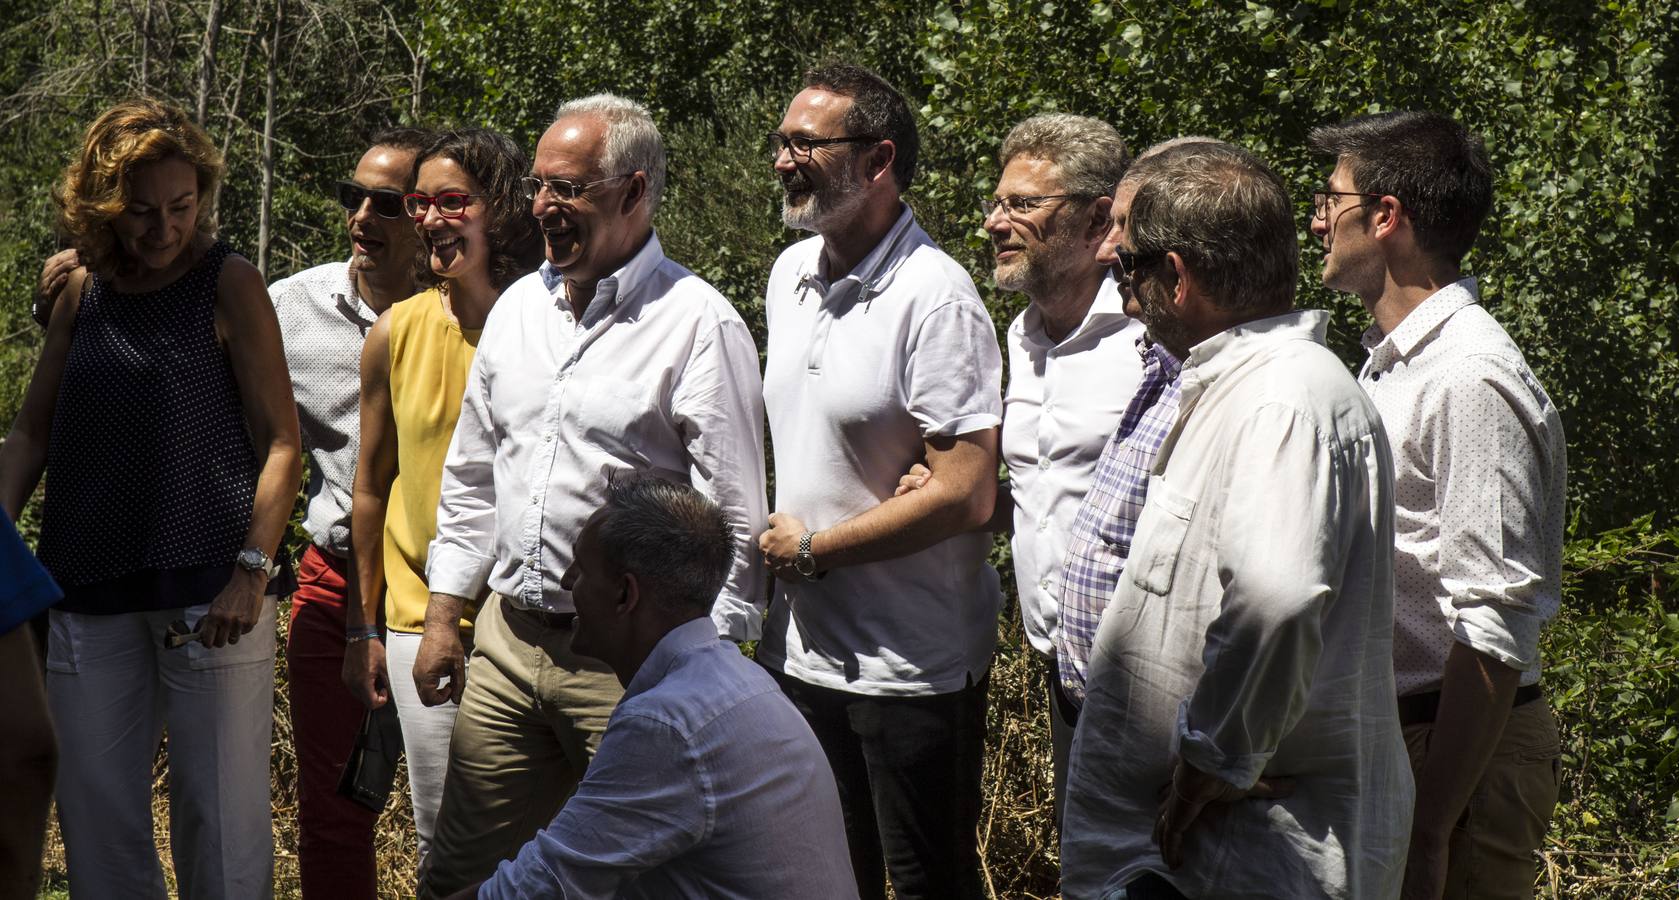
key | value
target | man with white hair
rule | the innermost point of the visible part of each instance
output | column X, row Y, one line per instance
column 610, row 357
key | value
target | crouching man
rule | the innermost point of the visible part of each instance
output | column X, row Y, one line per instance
column 707, row 782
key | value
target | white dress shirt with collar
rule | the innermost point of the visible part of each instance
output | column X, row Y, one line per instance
column 660, row 376
column 1251, row 634
column 324, row 322
column 861, row 371
column 708, row 784
column 1064, row 401
column 1480, row 478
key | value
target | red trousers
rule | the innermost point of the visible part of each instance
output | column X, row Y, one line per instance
column 334, row 835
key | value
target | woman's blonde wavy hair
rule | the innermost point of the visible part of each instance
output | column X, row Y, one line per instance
column 94, row 189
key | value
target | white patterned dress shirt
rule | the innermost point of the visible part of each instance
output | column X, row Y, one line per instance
column 1480, row 477
column 1252, row 635
column 660, row 376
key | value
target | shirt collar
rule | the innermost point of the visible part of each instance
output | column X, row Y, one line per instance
column 350, row 301
column 615, row 288
column 1155, row 353
column 1421, row 323
column 874, row 274
column 1233, row 346
column 690, row 635
column 1107, row 305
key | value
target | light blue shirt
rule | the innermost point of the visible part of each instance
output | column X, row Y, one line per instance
column 707, row 783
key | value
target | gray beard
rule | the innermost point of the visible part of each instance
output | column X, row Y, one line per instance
column 830, row 206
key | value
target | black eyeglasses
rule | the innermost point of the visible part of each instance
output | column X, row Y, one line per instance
column 800, row 148
column 449, row 204
column 1130, row 262
column 386, row 203
column 560, row 188
column 1019, row 206
column 1320, row 200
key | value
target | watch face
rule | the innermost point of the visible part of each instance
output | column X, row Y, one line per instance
column 805, row 564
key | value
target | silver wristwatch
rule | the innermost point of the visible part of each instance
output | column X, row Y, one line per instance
column 805, row 562
column 252, row 559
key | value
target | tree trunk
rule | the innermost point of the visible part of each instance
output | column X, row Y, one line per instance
column 207, row 60
column 271, row 57
column 146, row 48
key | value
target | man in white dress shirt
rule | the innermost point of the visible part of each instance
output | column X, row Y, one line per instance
column 1073, row 362
column 1238, row 737
column 1480, row 468
column 610, row 357
column 884, row 618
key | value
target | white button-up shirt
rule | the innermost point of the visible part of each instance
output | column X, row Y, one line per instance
column 660, row 376
column 708, row 784
column 1252, row 634
column 1480, row 472
column 1064, row 400
column 862, row 370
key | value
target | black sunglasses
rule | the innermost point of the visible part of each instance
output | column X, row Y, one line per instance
column 386, row 203
column 1130, row 262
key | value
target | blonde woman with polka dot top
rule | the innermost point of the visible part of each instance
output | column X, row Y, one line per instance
column 162, row 416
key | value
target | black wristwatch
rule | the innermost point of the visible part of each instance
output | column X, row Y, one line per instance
column 805, row 562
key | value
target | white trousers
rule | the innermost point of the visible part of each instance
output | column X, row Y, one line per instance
column 425, row 734
column 114, row 689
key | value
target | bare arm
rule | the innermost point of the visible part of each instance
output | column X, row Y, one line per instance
column 958, row 496
column 246, row 322
column 1475, row 696
column 364, row 660
column 1002, row 514
column 23, row 456
column 55, row 275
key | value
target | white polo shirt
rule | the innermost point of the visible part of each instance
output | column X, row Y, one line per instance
column 1064, row 401
column 861, row 370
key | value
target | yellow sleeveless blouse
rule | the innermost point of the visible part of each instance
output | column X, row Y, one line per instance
column 430, row 357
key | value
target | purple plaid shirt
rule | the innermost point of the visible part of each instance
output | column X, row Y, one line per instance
column 1102, row 532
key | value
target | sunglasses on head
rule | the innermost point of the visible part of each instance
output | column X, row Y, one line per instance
column 386, row 203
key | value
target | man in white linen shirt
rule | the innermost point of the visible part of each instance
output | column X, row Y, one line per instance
column 885, row 612
column 708, row 783
column 1073, row 363
column 610, row 357
column 1480, row 468
column 1239, row 737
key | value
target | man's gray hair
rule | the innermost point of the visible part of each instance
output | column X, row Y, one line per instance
column 1227, row 214
column 632, row 139
column 1088, row 153
column 678, row 544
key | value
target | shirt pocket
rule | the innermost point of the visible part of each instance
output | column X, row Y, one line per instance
column 612, row 414
column 1160, row 535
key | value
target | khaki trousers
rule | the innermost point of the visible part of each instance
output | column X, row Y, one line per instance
column 1492, row 847
column 530, row 720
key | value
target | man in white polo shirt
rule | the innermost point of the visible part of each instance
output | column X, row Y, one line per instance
column 884, row 617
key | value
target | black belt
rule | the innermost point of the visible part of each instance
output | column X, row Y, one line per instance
column 561, row 620
column 1416, row 709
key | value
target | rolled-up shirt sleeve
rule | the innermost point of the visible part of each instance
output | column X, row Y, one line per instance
column 1281, row 542
column 460, row 557
column 718, row 407
column 643, row 803
column 1491, row 469
column 954, row 375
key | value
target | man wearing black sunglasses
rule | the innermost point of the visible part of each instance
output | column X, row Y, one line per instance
column 325, row 313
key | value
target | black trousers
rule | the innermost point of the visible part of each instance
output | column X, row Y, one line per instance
column 908, row 770
column 1149, row 886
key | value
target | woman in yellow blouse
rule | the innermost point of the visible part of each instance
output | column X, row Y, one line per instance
column 477, row 237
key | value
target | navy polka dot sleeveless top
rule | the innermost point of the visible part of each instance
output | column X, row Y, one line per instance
column 150, row 470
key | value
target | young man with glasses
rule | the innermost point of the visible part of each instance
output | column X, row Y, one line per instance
column 325, row 313
column 609, row 358
column 1238, row 736
column 884, row 616
column 1480, row 470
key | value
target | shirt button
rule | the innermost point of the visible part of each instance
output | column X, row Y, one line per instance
column 1043, row 585
column 549, row 437
column 531, row 560
column 1049, row 406
column 1043, row 524
column 1044, row 463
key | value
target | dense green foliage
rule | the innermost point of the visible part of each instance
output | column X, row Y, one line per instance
column 1577, row 102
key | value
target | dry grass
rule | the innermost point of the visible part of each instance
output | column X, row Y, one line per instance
column 1016, row 836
